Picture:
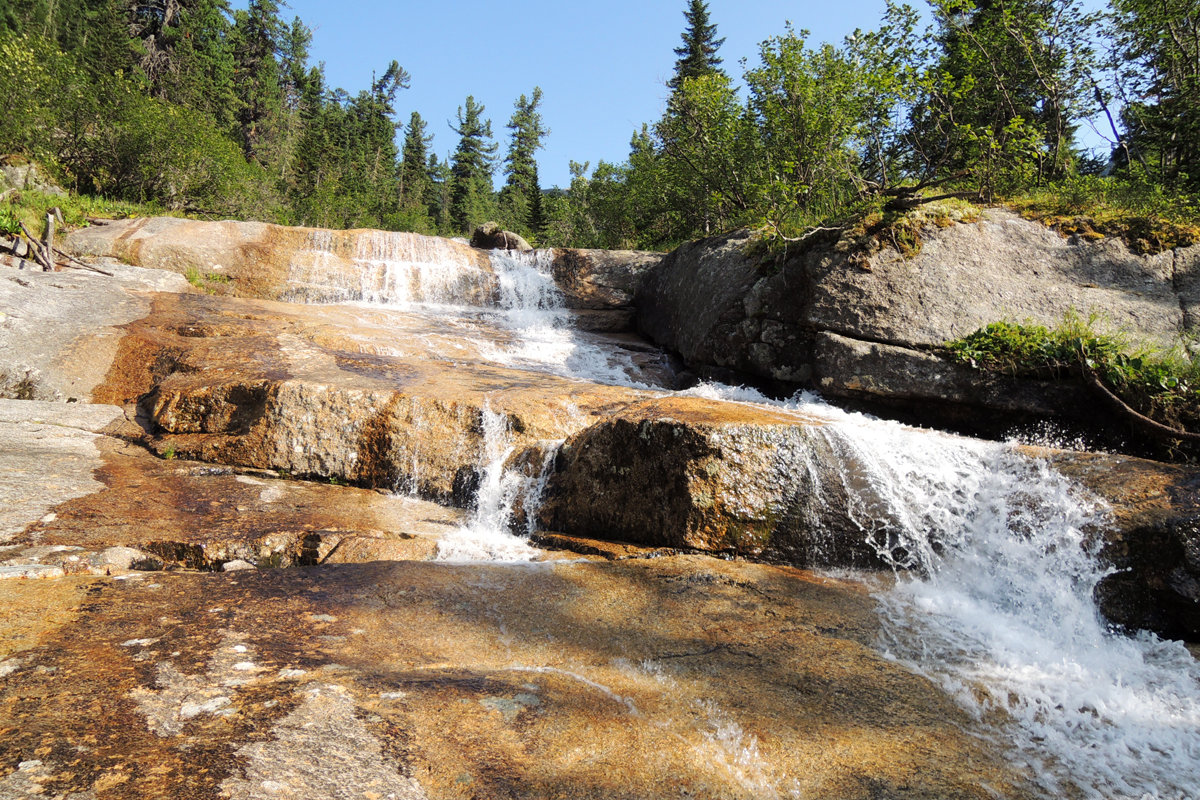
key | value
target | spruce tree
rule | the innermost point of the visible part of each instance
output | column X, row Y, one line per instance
column 698, row 55
column 257, row 36
column 202, row 75
column 520, row 190
column 414, row 162
column 471, row 169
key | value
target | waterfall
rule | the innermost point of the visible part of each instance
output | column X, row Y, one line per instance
column 487, row 534
column 513, row 304
column 387, row 268
column 994, row 552
column 993, row 601
column 543, row 337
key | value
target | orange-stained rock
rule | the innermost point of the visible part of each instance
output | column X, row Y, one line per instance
column 255, row 259
column 632, row 679
column 374, row 397
column 1152, row 542
column 708, row 475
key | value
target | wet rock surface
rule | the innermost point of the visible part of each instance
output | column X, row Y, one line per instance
column 257, row 260
column 694, row 473
column 1153, row 545
column 365, row 396
column 634, row 679
column 154, row 645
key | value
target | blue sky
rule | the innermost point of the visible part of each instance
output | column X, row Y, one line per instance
column 602, row 66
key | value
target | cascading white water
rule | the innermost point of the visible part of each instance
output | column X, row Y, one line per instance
column 545, row 340
column 995, row 603
column 994, row 599
column 386, row 268
column 487, row 535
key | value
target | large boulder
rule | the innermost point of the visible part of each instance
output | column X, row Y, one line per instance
column 866, row 326
column 701, row 474
column 719, row 477
column 490, row 236
column 600, row 285
column 1152, row 541
column 17, row 172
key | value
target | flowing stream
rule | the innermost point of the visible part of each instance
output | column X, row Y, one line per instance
column 993, row 594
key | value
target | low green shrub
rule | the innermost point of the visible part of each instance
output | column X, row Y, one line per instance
column 1161, row 384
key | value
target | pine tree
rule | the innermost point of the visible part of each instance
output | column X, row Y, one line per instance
column 414, row 162
column 441, row 179
column 517, row 196
column 698, row 55
column 257, row 35
column 471, row 169
column 202, row 70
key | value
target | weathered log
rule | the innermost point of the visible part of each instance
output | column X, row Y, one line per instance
column 74, row 263
column 49, row 241
column 35, row 248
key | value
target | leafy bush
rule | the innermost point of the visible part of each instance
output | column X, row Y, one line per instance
column 1162, row 384
column 10, row 224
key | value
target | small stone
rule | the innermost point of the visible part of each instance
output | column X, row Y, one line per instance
column 236, row 565
column 31, row 571
column 118, row 559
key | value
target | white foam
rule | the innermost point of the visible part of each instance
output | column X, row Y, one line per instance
column 532, row 308
column 487, row 535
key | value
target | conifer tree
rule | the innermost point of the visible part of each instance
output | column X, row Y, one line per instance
column 256, row 43
column 202, row 72
column 471, row 169
column 414, row 162
column 698, row 55
column 439, row 193
column 520, row 190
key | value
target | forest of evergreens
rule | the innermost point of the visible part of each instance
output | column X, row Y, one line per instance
column 191, row 106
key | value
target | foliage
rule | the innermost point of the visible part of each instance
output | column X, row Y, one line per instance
column 31, row 207
column 1164, row 385
column 520, row 199
column 808, row 107
column 1000, row 100
column 194, row 107
column 10, row 222
column 698, row 53
column 1148, row 216
column 417, row 205
column 471, row 169
column 1157, row 79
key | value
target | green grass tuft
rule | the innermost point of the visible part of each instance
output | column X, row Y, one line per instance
column 1163, row 384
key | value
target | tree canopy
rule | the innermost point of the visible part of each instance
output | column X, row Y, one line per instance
column 199, row 107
